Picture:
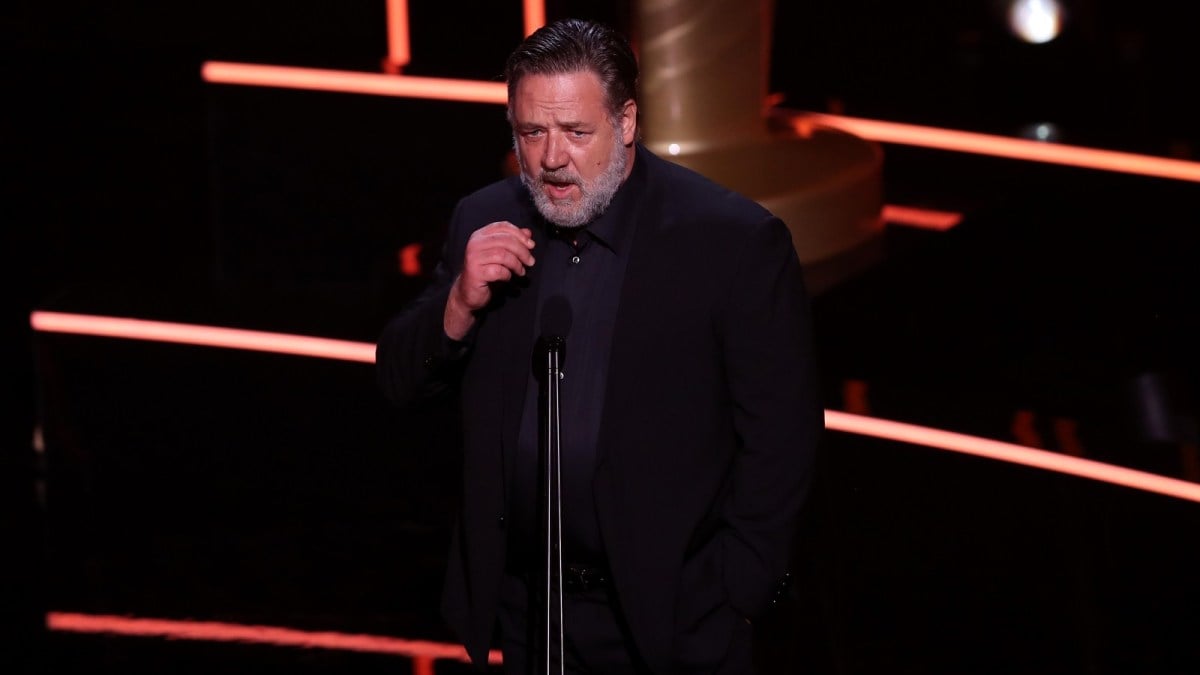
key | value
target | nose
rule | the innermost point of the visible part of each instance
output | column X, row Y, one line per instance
column 555, row 156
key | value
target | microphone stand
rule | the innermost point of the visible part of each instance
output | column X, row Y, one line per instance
column 552, row 506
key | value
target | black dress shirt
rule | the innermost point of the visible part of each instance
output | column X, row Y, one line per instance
column 585, row 268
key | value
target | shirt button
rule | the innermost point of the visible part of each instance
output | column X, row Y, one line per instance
column 574, row 260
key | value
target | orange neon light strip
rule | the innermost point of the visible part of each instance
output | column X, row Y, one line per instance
column 378, row 84
column 478, row 91
column 214, row 631
column 535, row 15
column 1007, row 452
column 1001, row 146
column 399, row 49
column 924, row 218
column 206, row 336
column 138, row 329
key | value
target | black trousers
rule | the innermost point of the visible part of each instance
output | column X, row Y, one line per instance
column 597, row 640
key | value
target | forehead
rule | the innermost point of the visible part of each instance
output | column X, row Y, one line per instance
column 579, row 94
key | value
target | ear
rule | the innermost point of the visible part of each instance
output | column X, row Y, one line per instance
column 629, row 122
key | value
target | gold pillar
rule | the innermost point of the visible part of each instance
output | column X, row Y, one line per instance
column 704, row 66
column 704, row 71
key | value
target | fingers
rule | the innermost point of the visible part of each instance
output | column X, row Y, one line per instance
column 501, row 243
column 503, row 236
column 504, row 258
column 495, row 253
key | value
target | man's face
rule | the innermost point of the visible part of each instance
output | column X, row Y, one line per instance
column 573, row 154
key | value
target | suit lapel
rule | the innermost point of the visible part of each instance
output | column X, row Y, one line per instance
column 637, row 303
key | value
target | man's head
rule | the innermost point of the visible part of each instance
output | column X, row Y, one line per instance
column 572, row 103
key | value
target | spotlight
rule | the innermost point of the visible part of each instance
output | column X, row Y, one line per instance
column 1042, row 131
column 1036, row 21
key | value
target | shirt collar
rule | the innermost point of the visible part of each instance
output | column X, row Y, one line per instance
column 614, row 227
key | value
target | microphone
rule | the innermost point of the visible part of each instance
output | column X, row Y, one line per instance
column 556, row 325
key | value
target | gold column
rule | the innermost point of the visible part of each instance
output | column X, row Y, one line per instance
column 704, row 71
column 704, row 67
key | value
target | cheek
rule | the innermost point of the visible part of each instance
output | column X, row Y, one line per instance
column 593, row 162
column 532, row 157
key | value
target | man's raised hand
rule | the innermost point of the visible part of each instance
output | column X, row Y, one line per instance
column 495, row 253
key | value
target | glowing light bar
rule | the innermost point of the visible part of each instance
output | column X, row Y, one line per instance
column 363, row 352
column 1000, row 146
column 206, row 336
column 535, row 15
column 479, row 91
column 213, row 631
column 923, row 218
column 399, row 50
column 349, row 82
column 1008, row 452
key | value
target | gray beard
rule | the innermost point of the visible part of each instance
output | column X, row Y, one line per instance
column 596, row 194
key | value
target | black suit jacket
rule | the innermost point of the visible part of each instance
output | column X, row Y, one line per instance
column 709, row 423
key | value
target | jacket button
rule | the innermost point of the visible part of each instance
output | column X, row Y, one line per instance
column 429, row 362
column 501, row 521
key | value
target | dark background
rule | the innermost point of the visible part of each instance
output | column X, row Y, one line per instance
column 194, row 483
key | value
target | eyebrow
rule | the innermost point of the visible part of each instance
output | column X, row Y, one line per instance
column 566, row 124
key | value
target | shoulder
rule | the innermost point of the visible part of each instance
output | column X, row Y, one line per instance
column 701, row 223
column 688, row 200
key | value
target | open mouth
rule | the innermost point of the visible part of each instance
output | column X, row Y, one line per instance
column 559, row 189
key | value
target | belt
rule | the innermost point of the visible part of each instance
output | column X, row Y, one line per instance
column 583, row 578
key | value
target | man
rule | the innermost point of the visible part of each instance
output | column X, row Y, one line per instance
column 688, row 405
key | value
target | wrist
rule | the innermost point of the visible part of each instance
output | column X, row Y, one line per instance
column 458, row 317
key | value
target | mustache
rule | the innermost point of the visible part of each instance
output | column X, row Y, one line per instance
column 559, row 176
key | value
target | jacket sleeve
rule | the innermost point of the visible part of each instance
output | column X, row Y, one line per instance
column 767, row 350
column 414, row 357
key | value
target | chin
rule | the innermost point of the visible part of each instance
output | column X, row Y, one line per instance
column 567, row 216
